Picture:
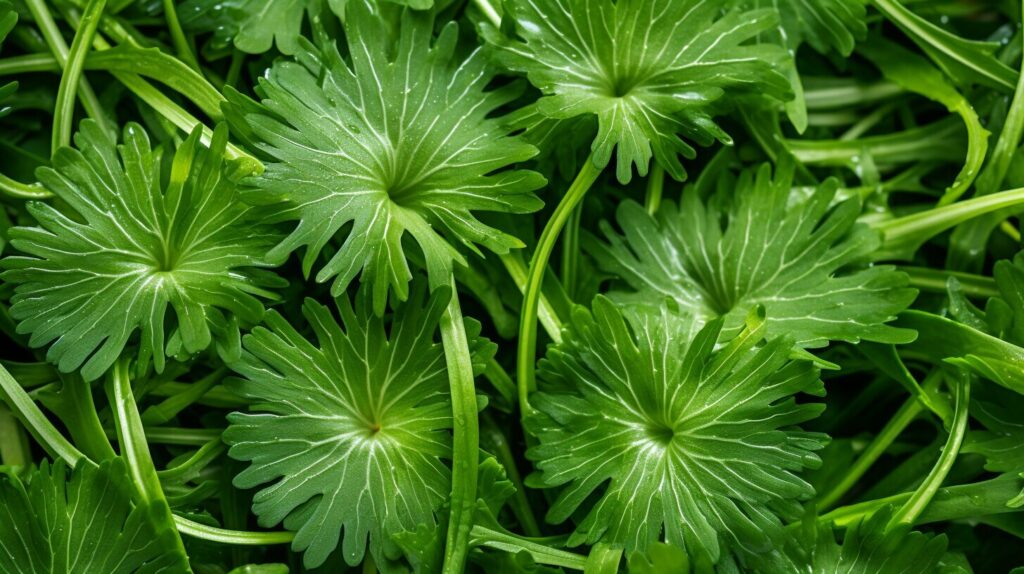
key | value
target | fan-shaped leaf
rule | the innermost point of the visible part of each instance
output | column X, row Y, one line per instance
column 352, row 431
column 129, row 246
column 83, row 524
column 648, row 69
column 793, row 260
column 396, row 141
column 698, row 441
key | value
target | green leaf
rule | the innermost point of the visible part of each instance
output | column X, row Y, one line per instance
column 966, row 61
column 83, row 524
column 127, row 247
column 397, row 141
column 698, row 441
column 652, row 71
column 868, row 547
column 253, row 25
column 824, row 24
column 1002, row 441
column 796, row 260
column 915, row 74
column 351, row 432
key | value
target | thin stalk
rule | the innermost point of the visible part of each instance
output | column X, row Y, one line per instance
column 490, row 12
column 181, row 44
column 64, row 109
column 466, row 436
column 44, row 20
column 170, row 407
column 131, row 435
column 655, row 188
column 903, row 235
column 235, row 69
column 36, row 422
column 17, row 190
column 919, row 500
column 571, row 251
column 14, row 447
column 177, row 436
column 500, row 380
column 541, row 553
column 545, row 312
column 28, row 63
column 73, row 404
column 497, row 443
column 959, row 502
column 527, row 352
column 892, row 429
column 934, row 281
column 224, row 536
column 191, row 467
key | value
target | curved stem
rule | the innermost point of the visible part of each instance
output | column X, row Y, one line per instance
column 64, row 109
column 571, row 252
column 545, row 312
column 36, row 422
column 913, row 508
column 17, row 65
column 44, row 20
column 541, row 553
column 131, row 436
column 17, row 190
column 655, row 188
column 178, row 36
column 497, row 443
column 224, row 536
column 527, row 352
column 935, row 280
column 466, row 435
column 14, row 449
column 903, row 417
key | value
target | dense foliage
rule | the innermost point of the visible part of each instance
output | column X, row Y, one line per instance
column 540, row 286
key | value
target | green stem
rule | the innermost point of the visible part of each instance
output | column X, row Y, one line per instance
column 170, row 407
column 191, row 468
column 490, row 12
column 235, row 69
column 500, row 380
column 36, row 422
column 17, row 190
column 223, row 536
column 177, row 436
column 655, row 188
column 527, row 352
column 64, row 109
column 497, row 443
column 541, row 553
column 74, row 405
column 466, row 435
column 571, row 251
column 181, row 44
column 131, row 435
column 828, row 93
column 28, row 63
column 44, row 20
column 903, row 417
column 934, row 281
column 545, row 311
column 919, row 500
column 14, row 447
column 904, row 235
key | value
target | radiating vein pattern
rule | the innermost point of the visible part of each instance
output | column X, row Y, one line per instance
column 83, row 522
column 661, row 436
column 648, row 69
column 394, row 141
column 348, row 435
column 125, row 246
column 750, row 246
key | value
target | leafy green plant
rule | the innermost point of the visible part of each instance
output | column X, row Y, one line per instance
column 546, row 286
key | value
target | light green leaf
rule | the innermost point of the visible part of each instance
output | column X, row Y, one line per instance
column 348, row 435
column 824, row 24
column 648, row 69
column 254, row 26
column 647, row 427
column 84, row 523
column 398, row 141
column 131, row 252
column 1002, row 441
column 797, row 261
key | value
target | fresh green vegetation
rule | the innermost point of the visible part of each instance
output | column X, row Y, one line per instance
column 537, row 286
